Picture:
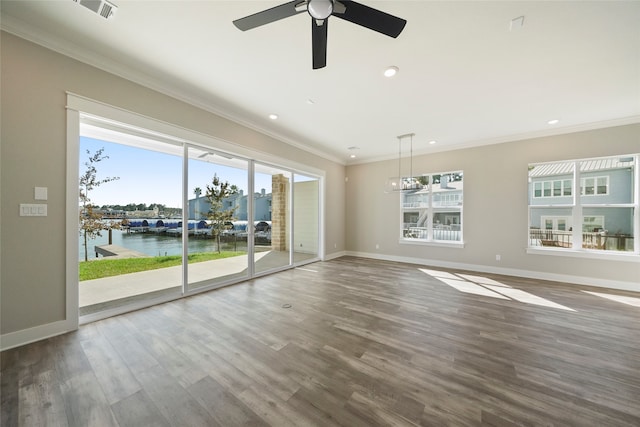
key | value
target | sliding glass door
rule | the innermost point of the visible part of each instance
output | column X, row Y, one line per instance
column 216, row 235
column 129, row 192
column 161, row 218
column 271, row 218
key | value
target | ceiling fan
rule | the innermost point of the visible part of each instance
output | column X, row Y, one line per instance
column 320, row 11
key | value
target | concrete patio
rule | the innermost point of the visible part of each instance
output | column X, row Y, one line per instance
column 109, row 292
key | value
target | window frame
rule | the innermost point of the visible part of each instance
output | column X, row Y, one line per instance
column 551, row 186
column 596, row 192
column 80, row 110
column 453, row 204
column 579, row 206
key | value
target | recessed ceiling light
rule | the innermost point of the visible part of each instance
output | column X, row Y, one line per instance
column 432, row 142
column 273, row 116
column 391, row 71
column 553, row 122
column 353, row 156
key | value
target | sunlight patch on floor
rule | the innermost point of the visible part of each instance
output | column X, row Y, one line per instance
column 481, row 280
column 439, row 274
column 484, row 286
column 617, row 298
column 527, row 298
column 471, row 288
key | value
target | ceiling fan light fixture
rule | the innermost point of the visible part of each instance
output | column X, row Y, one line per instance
column 391, row 71
column 320, row 9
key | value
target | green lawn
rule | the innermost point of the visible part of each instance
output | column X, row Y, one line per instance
column 112, row 267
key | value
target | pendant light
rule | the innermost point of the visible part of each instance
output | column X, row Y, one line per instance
column 400, row 182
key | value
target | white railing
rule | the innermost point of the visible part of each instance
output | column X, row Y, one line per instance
column 590, row 240
column 445, row 233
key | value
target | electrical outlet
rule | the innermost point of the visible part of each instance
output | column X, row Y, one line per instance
column 498, row 257
column 377, row 246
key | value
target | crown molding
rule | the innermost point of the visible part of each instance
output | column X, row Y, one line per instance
column 511, row 138
column 30, row 33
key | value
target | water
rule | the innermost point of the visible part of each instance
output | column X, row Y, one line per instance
column 153, row 244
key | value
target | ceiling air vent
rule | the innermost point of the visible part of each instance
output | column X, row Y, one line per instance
column 101, row 7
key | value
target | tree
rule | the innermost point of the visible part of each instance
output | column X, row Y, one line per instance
column 219, row 216
column 90, row 219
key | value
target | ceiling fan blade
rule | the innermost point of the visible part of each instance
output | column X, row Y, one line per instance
column 368, row 17
column 270, row 15
column 319, row 38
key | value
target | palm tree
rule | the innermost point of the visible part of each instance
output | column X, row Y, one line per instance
column 197, row 191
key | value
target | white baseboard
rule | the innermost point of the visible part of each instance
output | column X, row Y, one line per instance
column 554, row 277
column 37, row 333
column 334, row 255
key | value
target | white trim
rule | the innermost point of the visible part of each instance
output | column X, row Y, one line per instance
column 104, row 314
column 71, row 219
column 554, row 277
column 322, row 243
column 582, row 127
column 184, row 286
column 636, row 205
column 37, row 333
column 86, row 56
column 436, row 243
column 120, row 120
column 35, row 35
column 70, row 323
column 335, row 255
column 586, row 253
column 175, row 132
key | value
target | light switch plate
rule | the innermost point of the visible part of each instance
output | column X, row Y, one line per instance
column 40, row 193
column 30, row 209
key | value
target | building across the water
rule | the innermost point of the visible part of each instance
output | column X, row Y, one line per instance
column 199, row 207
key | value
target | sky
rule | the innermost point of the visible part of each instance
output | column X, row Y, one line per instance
column 147, row 176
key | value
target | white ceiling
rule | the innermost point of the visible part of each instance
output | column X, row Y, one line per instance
column 465, row 79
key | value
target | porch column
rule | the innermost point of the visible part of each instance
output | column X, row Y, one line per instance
column 279, row 212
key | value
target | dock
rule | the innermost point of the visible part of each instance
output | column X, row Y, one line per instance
column 117, row 252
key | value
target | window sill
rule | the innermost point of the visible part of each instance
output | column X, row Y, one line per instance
column 602, row 255
column 435, row 243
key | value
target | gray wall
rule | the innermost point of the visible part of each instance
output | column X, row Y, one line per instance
column 33, row 153
column 495, row 207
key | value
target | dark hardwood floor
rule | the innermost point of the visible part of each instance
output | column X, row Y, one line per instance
column 364, row 343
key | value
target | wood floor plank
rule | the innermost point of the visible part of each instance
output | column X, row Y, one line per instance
column 138, row 410
column 42, row 402
column 364, row 343
column 226, row 408
column 112, row 372
column 172, row 400
column 86, row 404
column 9, row 386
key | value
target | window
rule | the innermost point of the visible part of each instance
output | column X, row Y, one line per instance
column 433, row 213
column 555, row 188
column 603, row 216
column 594, row 186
